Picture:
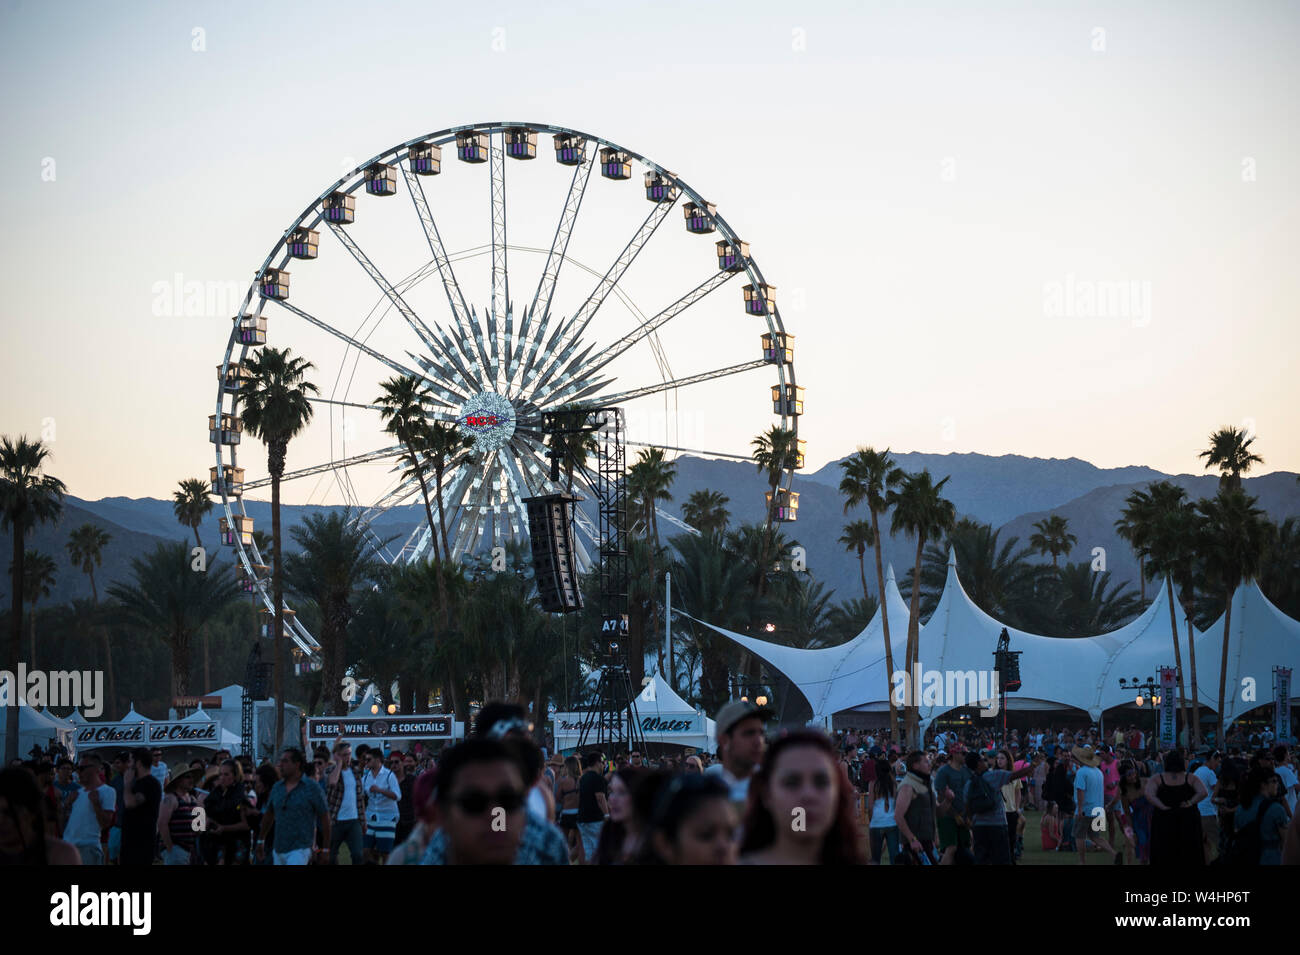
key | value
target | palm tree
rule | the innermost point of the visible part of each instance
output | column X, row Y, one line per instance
column 85, row 550
column 706, row 511
column 919, row 511
column 1089, row 604
column 1053, row 537
column 275, row 408
column 711, row 585
column 191, row 504
column 27, row 498
column 402, row 407
column 775, row 452
column 868, row 477
column 1279, row 577
column 1130, row 527
column 1237, row 539
column 857, row 537
column 445, row 446
column 38, row 578
column 649, row 481
column 1160, row 528
column 997, row 577
column 336, row 558
column 171, row 602
column 846, row 620
column 1230, row 452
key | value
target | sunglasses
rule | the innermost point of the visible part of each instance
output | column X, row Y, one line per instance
column 475, row 802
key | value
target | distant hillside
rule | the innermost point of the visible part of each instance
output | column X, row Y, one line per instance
column 1010, row 491
column 997, row 489
column 1092, row 516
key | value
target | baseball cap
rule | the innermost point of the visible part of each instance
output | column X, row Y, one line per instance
column 736, row 710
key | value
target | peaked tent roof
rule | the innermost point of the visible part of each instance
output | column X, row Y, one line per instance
column 840, row 677
column 1082, row 673
column 1260, row 637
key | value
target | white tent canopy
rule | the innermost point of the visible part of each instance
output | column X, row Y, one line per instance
column 663, row 715
column 1260, row 637
column 1080, row 673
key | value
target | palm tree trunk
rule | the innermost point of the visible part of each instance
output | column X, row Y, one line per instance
column 428, row 511
column 442, row 514
column 33, row 629
column 207, row 660
column 1223, row 669
column 884, row 621
column 912, row 707
column 652, row 544
column 1178, row 660
column 111, row 702
column 1196, row 696
column 15, row 644
column 1142, row 578
column 197, row 542
column 277, row 587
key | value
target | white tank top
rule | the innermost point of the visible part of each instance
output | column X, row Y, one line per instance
column 882, row 813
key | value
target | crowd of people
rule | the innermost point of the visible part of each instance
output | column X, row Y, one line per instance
column 798, row 796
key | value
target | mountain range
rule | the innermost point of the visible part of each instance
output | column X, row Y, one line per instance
column 1010, row 492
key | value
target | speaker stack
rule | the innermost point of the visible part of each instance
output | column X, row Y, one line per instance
column 550, row 532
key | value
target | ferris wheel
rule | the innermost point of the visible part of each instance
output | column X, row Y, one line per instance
column 376, row 293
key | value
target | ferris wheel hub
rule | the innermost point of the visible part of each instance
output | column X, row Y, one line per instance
column 489, row 418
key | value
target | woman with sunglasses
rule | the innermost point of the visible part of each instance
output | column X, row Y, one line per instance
column 801, row 806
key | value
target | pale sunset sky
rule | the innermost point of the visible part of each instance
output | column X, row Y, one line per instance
column 949, row 197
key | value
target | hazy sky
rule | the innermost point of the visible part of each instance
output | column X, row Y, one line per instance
column 949, row 197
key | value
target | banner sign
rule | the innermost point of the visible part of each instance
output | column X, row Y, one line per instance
column 149, row 733
column 1168, row 707
column 112, row 734
column 1282, row 704
column 668, row 724
column 194, row 702
column 399, row 726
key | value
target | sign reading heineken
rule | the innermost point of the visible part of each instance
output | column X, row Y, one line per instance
column 1168, row 707
column 1282, row 704
column 383, row 727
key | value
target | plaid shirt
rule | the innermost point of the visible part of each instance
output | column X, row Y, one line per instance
column 334, row 796
column 541, row 844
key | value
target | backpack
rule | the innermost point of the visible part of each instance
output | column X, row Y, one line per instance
column 1246, row 845
column 979, row 797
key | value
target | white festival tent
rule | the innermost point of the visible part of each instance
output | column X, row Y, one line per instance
column 228, row 740
column 1260, row 637
column 664, row 716
column 1079, row 673
column 36, row 727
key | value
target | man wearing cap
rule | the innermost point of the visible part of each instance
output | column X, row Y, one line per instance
column 91, row 812
column 1090, row 795
column 954, row 834
column 742, row 744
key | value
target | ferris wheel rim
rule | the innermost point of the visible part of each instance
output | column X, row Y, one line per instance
column 354, row 180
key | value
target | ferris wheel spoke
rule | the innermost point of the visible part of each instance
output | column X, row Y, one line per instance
column 662, row 386
column 500, row 273
column 649, row 327
column 465, row 320
column 555, row 259
column 417, row 325
column 343, row 336
column 566, row 336
column 436, row 377
column 366, row 458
